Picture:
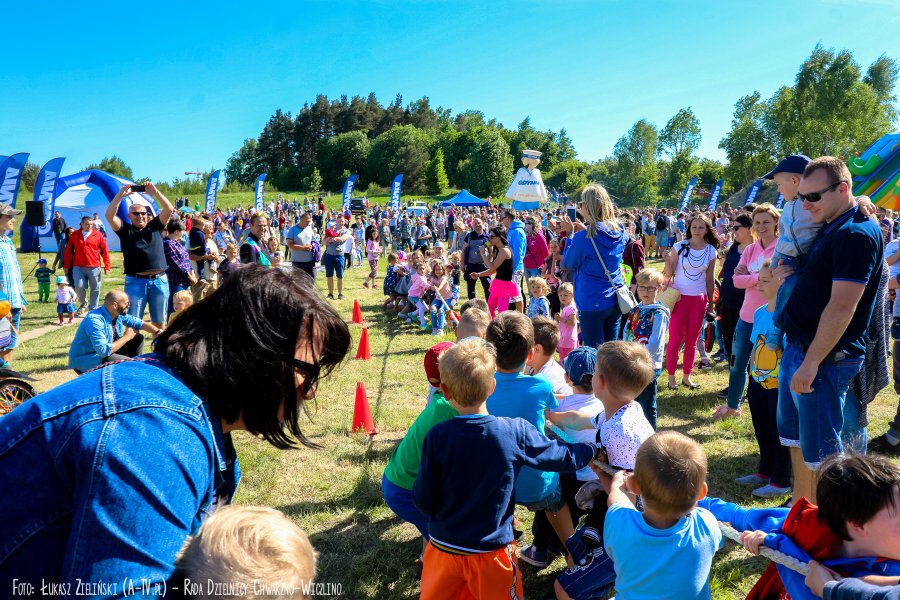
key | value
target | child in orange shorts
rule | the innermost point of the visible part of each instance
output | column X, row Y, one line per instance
column 466, row 481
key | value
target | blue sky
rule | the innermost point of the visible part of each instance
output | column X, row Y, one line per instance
column 177, row 86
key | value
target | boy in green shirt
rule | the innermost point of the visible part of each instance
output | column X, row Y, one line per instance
column 403, row 466
column 42, row 275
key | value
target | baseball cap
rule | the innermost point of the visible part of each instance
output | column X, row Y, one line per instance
column 431, row 362
column 580, row 362
column 795, row 163
column 61, row 279
column 42, row 261
column 438, row 244
column 8, row 211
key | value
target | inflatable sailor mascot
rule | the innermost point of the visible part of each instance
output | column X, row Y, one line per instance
column 527, row 190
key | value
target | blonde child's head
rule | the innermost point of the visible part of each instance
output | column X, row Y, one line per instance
column 249, row 546
column 473, row 323
column 467, row 372
column 767, row 284
column 566, row 293
column 473, row 303
column 670, row 473
column 538, row 287
column 437, row 268
column 455, row 258
column 182, row 300
column 649, row 281
column 392, row 259
column 231, row 251
column 625, row 369
column 546, row 335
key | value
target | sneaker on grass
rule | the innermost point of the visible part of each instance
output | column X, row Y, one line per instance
column 771, row 491
column 753, row 479
column 535, row 557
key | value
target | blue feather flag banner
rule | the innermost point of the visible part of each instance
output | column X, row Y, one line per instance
column 348, row 191
column 11, row 176
column 753, row 191
column 779, row 201
column 395, row 192
column 212, row 190
column 686, row 196
column 714, row 195
column 260, row 184
column 45, row 190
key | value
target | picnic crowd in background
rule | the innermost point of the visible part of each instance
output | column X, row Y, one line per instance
column 555, row 370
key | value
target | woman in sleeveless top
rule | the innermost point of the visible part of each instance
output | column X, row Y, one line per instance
column 499, row 261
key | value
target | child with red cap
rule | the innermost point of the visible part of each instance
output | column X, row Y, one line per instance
column 403, row 466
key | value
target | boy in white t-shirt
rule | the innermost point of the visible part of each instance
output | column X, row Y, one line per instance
column 546, row 339
column 623, row 370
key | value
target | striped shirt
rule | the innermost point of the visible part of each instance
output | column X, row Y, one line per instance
column 178, row 265
column 10, row 274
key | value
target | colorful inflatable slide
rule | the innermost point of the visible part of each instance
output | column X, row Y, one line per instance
column 876, row 173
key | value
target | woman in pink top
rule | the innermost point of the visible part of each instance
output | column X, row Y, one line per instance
column 746, row 276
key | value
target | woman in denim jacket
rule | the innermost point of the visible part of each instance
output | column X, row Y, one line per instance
column 103, row 477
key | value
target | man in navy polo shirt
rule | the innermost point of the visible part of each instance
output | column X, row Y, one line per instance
column 825, row 319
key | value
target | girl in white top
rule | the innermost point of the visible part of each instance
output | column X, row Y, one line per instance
column 690, row 268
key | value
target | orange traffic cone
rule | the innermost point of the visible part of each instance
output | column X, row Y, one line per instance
column 357, row 312
column 363, row 353
column 362, row 415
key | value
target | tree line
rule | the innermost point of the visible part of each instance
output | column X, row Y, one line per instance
column 833, row 107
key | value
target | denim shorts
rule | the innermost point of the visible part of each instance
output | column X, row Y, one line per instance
column 813, row 422
column 552, row 502
column 148, row 293
column 334, row 265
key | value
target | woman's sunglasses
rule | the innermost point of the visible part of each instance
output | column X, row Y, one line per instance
column 310, row 375
column 816, row 196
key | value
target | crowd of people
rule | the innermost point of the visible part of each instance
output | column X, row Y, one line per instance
column 552, row 382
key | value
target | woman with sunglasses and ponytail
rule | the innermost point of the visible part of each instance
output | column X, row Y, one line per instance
column 690, row 268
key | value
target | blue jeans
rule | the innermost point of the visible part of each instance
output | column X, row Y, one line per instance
column 15, row 314
column 813, row 422
column 599, row 326
column 741, row 348
column 148, row 292
column 439, row 316
column 529, row 273
column 647, row 400
column 400, row 501
column 784, row 293
column 853, row 435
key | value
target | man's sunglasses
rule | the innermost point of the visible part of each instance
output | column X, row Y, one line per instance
column 816, row 196
column 142, row 213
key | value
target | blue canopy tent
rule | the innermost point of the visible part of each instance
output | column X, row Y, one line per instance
column 83, row 194
column 464, row 198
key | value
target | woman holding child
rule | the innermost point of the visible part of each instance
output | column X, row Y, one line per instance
column 94, row 489
column 690, row 268
column 594, row 254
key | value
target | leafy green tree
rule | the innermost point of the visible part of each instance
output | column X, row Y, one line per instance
column 116, row 166
column 275, row 148
column 29, row 176
column 489, row 168
column 682, row 168
column 436, row 181
column 748, row 145
column 569, row 175
column 681, row 133
column 343, row 151
column 635, row 154
column 566, row 147
column 469, row 119
column 313, row 123
column 402, row 149
column 315, row 181
column 832, row 109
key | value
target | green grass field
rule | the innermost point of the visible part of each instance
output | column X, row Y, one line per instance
column 332, row 201
column 335, row 493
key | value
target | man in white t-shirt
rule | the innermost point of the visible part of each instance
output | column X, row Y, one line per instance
column 299, row 241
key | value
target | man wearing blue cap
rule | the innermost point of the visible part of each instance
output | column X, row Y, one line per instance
column 825, row 319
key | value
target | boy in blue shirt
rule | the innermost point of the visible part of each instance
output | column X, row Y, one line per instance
column 518, row 395
column 666, row 551
column 467, row 475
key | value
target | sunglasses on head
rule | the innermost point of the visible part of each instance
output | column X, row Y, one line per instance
column 816, row 196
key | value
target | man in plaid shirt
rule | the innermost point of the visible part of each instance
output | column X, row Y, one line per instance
column 10, row 278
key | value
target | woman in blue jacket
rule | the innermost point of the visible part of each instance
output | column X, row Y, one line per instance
column 105, row 476
column 603, row 239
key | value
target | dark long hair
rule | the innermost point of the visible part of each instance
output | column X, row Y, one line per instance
column 500, row 232
column 711, row 237
column 235, row 348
